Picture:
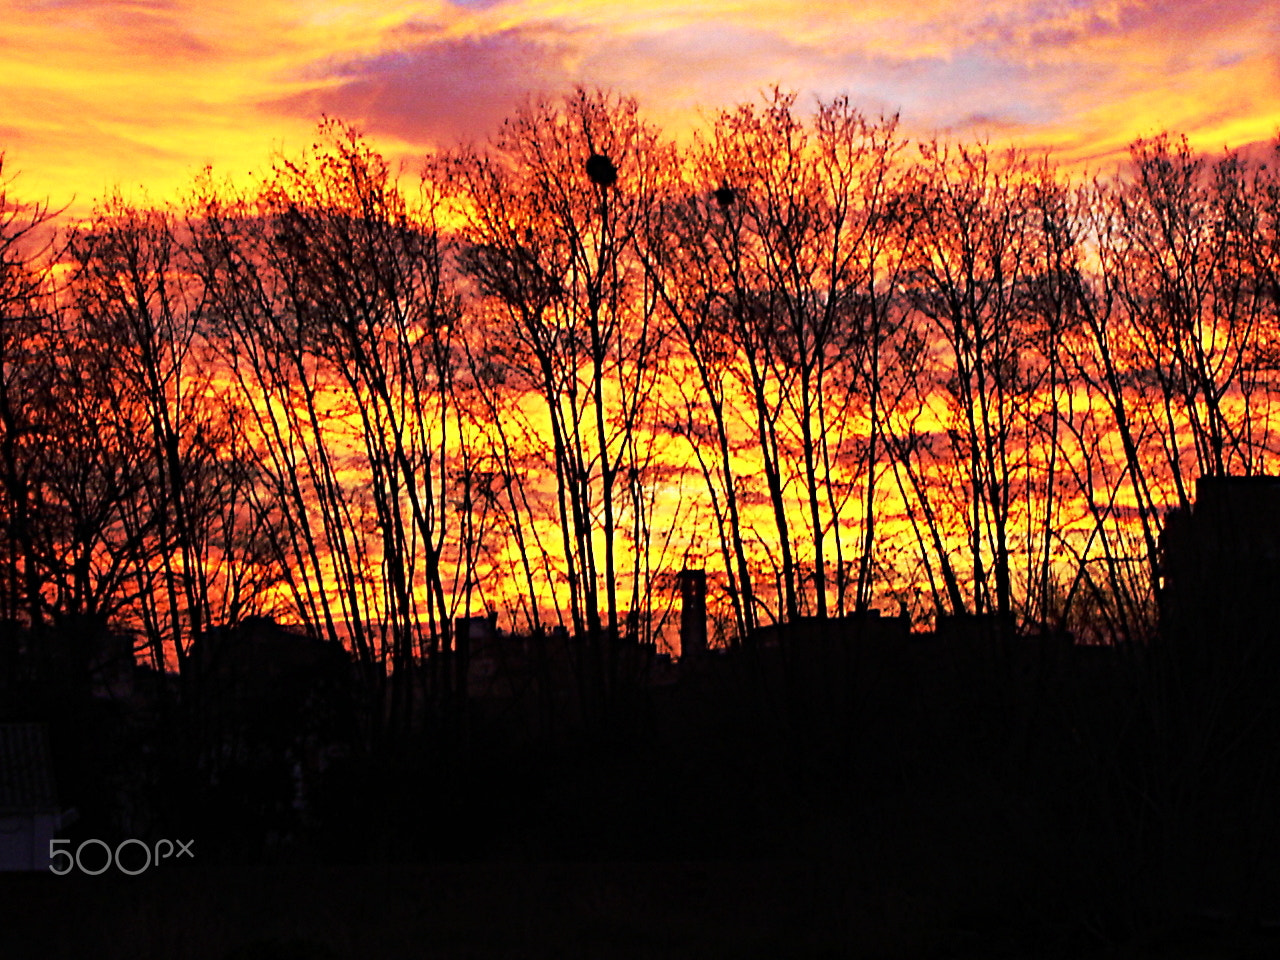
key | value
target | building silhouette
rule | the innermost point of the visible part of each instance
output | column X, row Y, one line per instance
column 693, row 612
column 1219, row 563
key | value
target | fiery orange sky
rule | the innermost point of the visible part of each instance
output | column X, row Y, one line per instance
column 96, row 94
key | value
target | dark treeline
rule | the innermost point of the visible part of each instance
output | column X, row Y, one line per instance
column 836, row 368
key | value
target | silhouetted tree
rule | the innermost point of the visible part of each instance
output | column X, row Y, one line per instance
column 337, row 321
column 24, row 288
column 571, row 320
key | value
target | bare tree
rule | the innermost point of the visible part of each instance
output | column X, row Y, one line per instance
column 336, row 322
column 24, row 250
column 976, row 249
column 553, row 207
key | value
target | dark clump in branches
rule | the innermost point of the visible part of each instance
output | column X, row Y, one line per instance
column 601, row 170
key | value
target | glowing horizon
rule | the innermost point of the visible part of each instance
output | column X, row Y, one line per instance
column 140, row 95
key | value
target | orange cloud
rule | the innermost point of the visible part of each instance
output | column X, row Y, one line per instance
column 100, row 93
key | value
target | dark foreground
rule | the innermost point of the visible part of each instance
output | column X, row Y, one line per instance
column 686, row 910
column 917, row 801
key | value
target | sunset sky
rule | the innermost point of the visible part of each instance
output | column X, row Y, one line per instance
column 102, row 93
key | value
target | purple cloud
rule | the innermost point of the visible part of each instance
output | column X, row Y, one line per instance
column 444, row 90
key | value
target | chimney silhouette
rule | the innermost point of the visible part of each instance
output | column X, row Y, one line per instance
column 693, row 613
